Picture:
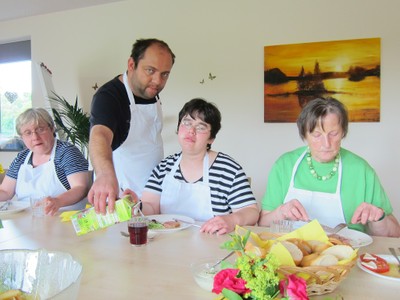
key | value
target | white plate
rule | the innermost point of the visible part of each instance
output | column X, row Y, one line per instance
column 390, row 259
column 151, row 234
column 14, row 207
column 357, row 238
column 165, row 218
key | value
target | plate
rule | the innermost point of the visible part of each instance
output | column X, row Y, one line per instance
column 165, row 218
column 151, row 234
column 356, row 238
column 14, row 207
column 390, row 259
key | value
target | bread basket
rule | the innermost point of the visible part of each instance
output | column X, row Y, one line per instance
column 320, row 279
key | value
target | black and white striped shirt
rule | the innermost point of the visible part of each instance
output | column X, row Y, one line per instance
column 230, row 188
column 67, row 160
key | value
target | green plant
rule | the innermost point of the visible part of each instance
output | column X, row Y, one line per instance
column 72, row 122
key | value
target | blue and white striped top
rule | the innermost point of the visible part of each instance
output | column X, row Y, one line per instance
column 230, row 188
column 68, row 160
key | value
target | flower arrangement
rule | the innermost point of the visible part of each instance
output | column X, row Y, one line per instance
column 255, row 277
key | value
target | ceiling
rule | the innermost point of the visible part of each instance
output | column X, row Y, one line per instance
column 15, row 9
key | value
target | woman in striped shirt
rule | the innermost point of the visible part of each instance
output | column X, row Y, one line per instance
column 48, row 168
column 198, row 182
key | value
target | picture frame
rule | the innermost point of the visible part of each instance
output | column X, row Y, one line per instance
column 347, row 70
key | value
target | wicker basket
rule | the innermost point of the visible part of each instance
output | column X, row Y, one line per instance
column 321, row 280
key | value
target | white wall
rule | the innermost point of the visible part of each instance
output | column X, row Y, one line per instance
column 226, row 38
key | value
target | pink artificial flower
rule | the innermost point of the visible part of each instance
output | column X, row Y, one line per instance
column 295, row 288
column 227, row 279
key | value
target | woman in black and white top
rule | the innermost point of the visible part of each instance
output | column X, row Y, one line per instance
column 198, row 182
column 48, row 168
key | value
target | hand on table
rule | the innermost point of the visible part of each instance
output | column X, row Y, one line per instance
column 104, row 188
column 51, row 206
column 218, row 225
column 293, row 210
column 366, row 212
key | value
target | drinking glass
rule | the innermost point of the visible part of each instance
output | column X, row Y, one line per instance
column 38, row 204
column 138, row 228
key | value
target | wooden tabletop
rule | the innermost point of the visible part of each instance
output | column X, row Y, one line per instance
column 113, row 269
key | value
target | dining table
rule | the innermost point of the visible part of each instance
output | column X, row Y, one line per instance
column 114, row 269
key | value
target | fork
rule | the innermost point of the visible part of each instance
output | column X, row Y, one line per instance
column 336, row 229
column 395, row 256
column 4, row 206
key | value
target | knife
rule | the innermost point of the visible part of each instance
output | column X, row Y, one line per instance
column 187, row 222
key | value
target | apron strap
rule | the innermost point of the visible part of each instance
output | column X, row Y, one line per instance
column 205, row 167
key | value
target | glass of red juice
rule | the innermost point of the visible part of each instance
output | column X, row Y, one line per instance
column 138, row 227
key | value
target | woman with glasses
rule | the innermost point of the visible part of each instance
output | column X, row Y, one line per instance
column 324, row 181
column 47, row 168
column 198, row 182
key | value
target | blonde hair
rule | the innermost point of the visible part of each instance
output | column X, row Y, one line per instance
column 36, row 116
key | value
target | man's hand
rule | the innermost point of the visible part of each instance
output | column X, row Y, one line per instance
column 104, row 188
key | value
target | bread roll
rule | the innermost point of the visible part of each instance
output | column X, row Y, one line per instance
column 303, row 245
column 317, row 246
column 250, row 248
column 308, row 259
column 294, row 251
column 325, row 260
column 339, row 251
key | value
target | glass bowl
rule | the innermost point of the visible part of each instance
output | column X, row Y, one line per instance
column 203, row 272
column 40, row 273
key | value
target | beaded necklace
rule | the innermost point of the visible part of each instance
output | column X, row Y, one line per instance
column 327, row 176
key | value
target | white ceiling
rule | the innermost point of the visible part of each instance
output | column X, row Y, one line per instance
column 14, row 9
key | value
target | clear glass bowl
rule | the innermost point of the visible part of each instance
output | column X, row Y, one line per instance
column 40, row 273
column 203, row 272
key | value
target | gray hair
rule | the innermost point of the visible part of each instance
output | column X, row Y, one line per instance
column 316, row 110
column 36, row 116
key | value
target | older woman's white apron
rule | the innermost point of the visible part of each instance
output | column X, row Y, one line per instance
column 189, row 199
column 326, row 207
column 143, row 148
column 42, row 181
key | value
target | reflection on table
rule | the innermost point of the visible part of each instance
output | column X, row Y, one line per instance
column 113, row 269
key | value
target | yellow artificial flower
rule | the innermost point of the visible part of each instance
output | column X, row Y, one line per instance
column 1, row 169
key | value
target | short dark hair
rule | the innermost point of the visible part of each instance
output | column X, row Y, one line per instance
column 206, row 111
column 141, row 45
column 314, row 112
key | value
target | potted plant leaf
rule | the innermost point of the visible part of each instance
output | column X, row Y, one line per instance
column 72, row 122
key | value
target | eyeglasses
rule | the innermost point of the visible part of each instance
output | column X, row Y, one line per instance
column 199, row 128
column 38, row 131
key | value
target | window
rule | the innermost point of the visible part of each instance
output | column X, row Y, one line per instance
column 15, row 90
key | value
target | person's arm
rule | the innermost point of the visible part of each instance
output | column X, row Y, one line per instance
column 378, row 223
column 150, row 203
column 224, row 224
column 267, row 216
column 105, row 185
column 389, row 226
column 79, row 183
column 7, row 188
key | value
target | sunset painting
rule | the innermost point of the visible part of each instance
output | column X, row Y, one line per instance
column 347, row 70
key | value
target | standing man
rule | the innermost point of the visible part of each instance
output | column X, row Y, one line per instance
column 126, row 121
